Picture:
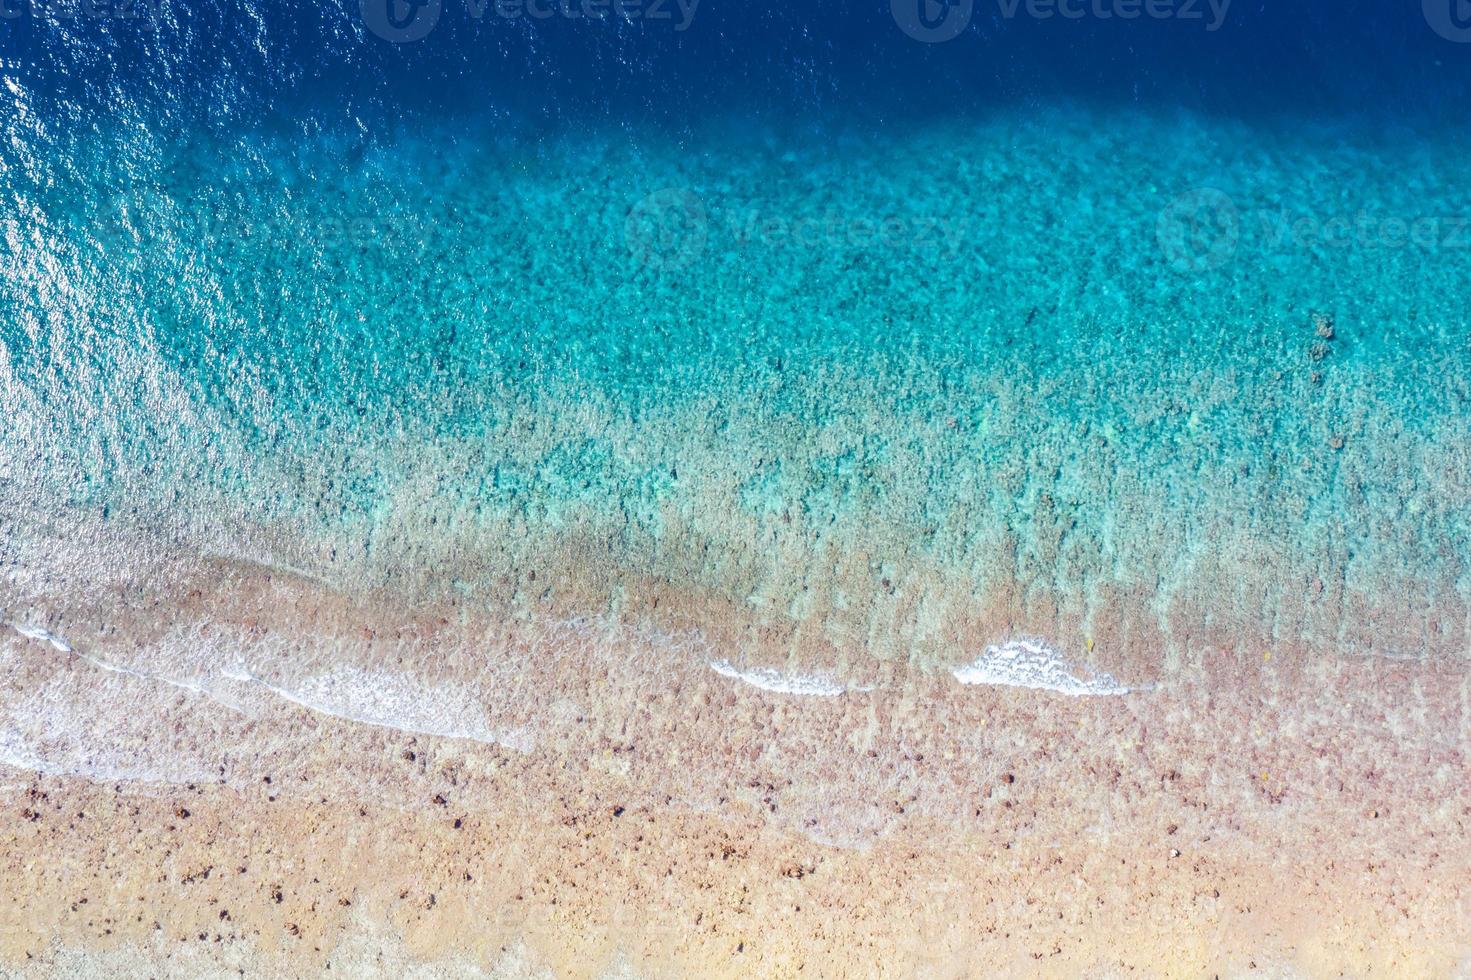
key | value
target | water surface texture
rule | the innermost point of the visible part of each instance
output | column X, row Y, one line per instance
column 797, row 416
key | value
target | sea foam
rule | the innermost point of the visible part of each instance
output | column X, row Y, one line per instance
column 1035, row 664
column 770, row 679
column 42, row 635
column 46, row 636
column 398, row 703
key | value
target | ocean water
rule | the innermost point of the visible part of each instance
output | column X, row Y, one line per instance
column 799, row 342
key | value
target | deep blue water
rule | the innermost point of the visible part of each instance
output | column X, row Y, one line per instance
column 238, row 64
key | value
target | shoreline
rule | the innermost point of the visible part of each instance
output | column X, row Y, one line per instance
column 1276, row 810
column 689, row 567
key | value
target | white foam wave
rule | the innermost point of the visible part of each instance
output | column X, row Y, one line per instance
column 46, row 636
column 1034, row 664
column 770, row 679
column 41, row 635
column 67, row 723
column 398, row 703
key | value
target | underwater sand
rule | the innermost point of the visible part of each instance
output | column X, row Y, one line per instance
column 906, row 560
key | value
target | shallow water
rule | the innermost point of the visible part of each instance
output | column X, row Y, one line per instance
column 833, row 416
column 1064, row 371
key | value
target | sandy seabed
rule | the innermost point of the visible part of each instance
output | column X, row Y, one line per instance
column 514, row 644
column 1278, row 814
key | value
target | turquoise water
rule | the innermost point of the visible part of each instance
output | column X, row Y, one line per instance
column 637, row 446
column 1043, row 354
